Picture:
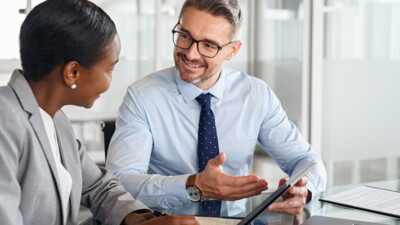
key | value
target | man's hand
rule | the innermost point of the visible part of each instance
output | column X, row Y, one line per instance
column 150, row 219
column 214, row 183
column 293, row 200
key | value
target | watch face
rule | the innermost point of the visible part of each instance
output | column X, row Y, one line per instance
column 193, row 194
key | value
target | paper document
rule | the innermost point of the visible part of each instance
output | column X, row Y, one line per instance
column 318, row 220
column 216, row 221
column 369, row 198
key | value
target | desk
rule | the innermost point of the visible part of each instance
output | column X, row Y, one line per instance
column 316, row 207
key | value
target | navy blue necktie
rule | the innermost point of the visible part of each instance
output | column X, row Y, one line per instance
column 207, row 148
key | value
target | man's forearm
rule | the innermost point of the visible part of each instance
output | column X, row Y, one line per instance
column 156, row 190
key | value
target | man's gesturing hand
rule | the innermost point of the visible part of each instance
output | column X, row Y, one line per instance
column 216, row 184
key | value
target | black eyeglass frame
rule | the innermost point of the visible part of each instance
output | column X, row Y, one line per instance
column 196, row 41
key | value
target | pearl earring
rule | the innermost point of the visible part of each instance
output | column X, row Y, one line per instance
column 73, row 86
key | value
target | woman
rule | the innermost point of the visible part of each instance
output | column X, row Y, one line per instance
column 68, row 51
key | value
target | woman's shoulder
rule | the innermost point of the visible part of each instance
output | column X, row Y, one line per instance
column 10, row 107
column 13, row 118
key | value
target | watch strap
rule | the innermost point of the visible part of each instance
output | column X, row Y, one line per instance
column 191, row 180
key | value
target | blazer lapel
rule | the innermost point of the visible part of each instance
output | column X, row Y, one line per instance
column 38, row 127
column 28, row 102
column 70, row 159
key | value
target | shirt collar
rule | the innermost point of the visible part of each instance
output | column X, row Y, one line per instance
column 190, row 91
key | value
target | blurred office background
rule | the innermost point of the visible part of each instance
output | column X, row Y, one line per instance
column 334, row 64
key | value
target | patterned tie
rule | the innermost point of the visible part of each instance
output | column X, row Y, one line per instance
column 207, row 148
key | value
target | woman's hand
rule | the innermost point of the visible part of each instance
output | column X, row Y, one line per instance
column 151, row 219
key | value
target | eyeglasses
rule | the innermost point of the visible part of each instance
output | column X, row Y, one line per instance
column 206, row 48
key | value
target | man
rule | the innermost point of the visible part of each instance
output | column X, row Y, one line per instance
column 175, row 120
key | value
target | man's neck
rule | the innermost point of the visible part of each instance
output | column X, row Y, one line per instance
column 207, row 84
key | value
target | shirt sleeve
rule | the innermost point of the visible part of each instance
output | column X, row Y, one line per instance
column 281, row 139
column 129, row 156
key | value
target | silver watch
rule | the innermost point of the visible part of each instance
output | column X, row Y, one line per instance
column 193, row 193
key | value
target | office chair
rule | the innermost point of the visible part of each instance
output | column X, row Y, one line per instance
column 108, row 128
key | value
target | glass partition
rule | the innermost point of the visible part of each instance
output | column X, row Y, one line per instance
column 361, row 68
column 279, row 53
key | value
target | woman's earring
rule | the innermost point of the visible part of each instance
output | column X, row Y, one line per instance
column 73, row 86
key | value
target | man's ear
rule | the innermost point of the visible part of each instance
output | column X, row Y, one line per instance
column 71, row 73
column 235, row 48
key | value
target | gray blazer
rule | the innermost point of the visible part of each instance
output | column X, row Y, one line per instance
column 29, row 186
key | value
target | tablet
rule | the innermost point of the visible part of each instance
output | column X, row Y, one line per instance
column 299, row 173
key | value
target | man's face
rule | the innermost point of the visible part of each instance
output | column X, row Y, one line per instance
column 193, row 67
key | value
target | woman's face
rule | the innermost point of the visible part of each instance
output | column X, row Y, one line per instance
column 95, row 80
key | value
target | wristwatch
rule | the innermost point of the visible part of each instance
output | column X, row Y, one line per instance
column 193, row 193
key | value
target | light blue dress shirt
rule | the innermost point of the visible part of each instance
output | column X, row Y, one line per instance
column 154, row 147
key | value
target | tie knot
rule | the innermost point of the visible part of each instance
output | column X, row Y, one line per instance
column 204, row 100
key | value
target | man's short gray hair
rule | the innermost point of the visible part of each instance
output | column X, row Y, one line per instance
column 229, row 9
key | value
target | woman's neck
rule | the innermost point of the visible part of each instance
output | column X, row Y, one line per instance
column 48, row 94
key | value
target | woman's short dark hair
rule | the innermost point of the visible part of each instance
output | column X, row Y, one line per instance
column 59, row 31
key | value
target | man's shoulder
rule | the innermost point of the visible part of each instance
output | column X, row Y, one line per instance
column 154, row 86
column 241, row 79
column 163, row 77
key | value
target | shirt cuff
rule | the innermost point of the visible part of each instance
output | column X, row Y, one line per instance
column 176, row 191
column 311, row 191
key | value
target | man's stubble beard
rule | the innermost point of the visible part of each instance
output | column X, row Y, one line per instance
column 202, row 78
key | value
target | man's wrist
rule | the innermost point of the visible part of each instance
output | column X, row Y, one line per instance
column 190, row 181
column 194, row 193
